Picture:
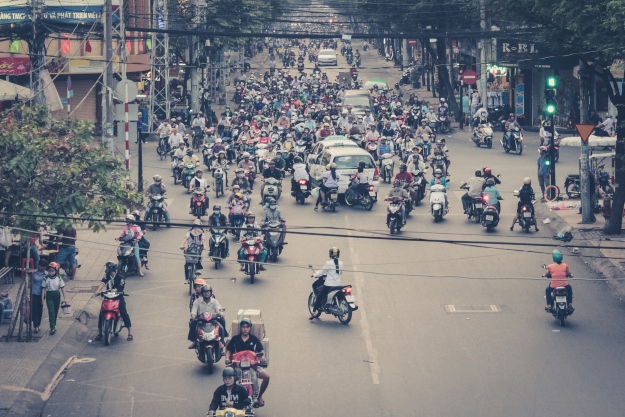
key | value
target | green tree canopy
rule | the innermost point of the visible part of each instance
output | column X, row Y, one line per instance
column 54, row 168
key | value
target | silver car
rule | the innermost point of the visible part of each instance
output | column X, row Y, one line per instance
column 327, row 57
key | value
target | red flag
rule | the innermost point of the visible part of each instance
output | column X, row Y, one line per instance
column 65, row 48
column 128, row 47
column 87, row 46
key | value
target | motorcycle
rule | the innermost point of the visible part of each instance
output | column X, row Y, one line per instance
column 439, row 163
column 237, row 214
column 573, row 185
column 111, row 323
column 476, row 210
column 405, row 78
column 198, row 137
column 162, row 148
column 438, row 202
column 358, row 61
column 217, row 244
column 419, row 186
column 301, row 149
column 426, row 146
column 443, row 123
column 199, row 203
column 350, row 59
column 604, row 181
column 483, row 135
column 273, row 240
column 187, row 175
column 251, row 250
column 154, row 210
column 246, row 364
column 560, row 309
column 339, row 302
column 332, row 200
column 514, row 142
column 372, row 147
column 218, row 175
column 127, row 261
column 272, row 189
column 387, row 167
column 177, row 167
column 358, row 139
column 207, row 348
column 301, row 192
column 353, row 198
column 394, row 214
column 207, row 154
column 192, row 256
column 526, row 219
column 490, row 215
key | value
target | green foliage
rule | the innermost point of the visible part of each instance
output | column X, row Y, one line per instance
column 54, row 168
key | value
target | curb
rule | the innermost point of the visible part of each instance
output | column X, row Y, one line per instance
column 593, row 258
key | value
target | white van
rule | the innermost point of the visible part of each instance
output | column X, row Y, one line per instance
column 346, row 160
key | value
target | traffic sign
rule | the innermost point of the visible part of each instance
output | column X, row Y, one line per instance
column 584, row 130
column 120, row 89
column 469, row 77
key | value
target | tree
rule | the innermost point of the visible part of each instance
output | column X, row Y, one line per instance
column 54, row 168
column 594, row 30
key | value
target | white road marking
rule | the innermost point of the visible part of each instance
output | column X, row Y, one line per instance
column 374, row 367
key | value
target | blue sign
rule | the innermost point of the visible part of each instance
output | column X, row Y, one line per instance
column 14, row 14
column 73, row 14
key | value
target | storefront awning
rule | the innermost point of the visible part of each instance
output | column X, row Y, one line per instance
column 10, row 91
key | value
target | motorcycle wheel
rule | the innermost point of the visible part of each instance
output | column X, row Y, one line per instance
column 299, row 198
column 209, row 360
column 108, row 329
column 368, row 202
column 175, row 179
column 489, row 143
column 161, row 154
column 437, row 218
column 191, row 272
column 252, row 273
column 609, row 190
column 346, row 317
column 556, row 157
column 527, row 227
column 573, row 191
column 519, row 148
column 274, row 254
column 489, row 228
column 311, row 303
column 477, row 142
column 477, row 218
column 393, row 226
column 348, row 199
column 151, row 218
column 561, row 317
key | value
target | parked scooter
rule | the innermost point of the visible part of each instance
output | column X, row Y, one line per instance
column 111, row 323
column 339, row 303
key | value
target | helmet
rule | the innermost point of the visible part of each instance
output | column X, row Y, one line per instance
column 246, row 154
column 197, row 222
column 557, row 256
column 130, row 218
column 490, row 181
column 189, row 151
column 396, row 183
column 361, row 164
column 527, row 180
column 250, row 215
column 110, row 266
column 157, row 178
column 236, row 187
column 298, row 160
column 238, row 195
column 245, row 321
column 136, row 213
column 55, row 265
column 511, row 115
column 218, row 141
column 199, row 281
column 403, row 167
column 478, row 172
column 334, row 252
column 487, row 171
column 438, row 172
column 207, row 287
column 216, row 207
column 228, row 372
column 271, row 200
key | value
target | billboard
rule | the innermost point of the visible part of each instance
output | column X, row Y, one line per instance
column 73, row 11
column 18, row 11
column 14, row 66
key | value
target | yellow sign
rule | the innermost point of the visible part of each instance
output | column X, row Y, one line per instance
column 93, row 65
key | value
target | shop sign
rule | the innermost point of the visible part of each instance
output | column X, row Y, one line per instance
column 93, row 65
column 496, row 69
column 14, row 14
column 73, row 14
column 14, row 66
column 520, row 97
column 514, row 50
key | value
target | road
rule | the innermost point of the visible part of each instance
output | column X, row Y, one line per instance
column 403, row 354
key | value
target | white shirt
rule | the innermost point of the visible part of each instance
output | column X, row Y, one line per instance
column 333, row 279
column 362, row 178
column 299, row 172
column 608, row 124
column 175, row 139
column 197, row 182
column 329, row 181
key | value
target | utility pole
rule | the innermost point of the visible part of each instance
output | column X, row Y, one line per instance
column 404, row 55
column 37, row 55
column 482, row 66
column 108, row 115
column 194, row 61
column 159, row 84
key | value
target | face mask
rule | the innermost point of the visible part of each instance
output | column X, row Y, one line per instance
column 272, row 207
column 217, row 213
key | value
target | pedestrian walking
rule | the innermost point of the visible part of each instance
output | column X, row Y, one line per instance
column 543, row 171
column 53, row 288
column 36, row 294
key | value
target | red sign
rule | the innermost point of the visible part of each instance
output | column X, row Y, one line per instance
column 412, row 42
column 584, row 130
column 14, row 66
column 469, row 77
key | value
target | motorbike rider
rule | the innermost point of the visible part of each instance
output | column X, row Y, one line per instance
column 218, row 219
column 131, row 225
column 440, row 149
column 195, row 236
column 325, row 131
column 510, row 123
column 230, row 394
column 245, row 340
column 189, row 158
column 158, row 188
column 113, row 281
column 399, row 192
column 474, row 187
column 251, row 231
column 330, row 180
column 195, row 183
column 480, row 114
column 300, row 172
column 221, row 162
column 246, row 163
column 438, row 178
column 180, row 151
column 271, row 172
column 384, row 148
column 331, row 272
column 240, row 180
column 493, row 194
column 487, row 173
column 423, row 129
column 272, row 213
column 526, row 197
column 207, row 303
column 558, row 272
column 368, row 119
column 238, row 197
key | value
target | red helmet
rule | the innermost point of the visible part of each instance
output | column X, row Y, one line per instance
column 487, row 171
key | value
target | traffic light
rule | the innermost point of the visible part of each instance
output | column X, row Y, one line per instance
column 551, row 106
column 548, row 161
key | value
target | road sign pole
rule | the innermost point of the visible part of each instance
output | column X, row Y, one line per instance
column 584, row 131
column 552, row 152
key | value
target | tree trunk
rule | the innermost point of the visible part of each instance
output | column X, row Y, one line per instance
column 440, row 58
column 614, row 224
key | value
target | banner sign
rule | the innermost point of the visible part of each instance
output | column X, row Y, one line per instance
column 73, row 14
column 14, row 66
column 14, row 14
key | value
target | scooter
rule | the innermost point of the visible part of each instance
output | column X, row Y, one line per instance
column 387, row 167
column 217, row 244
column 339, row 303
column 154, row 211
column 246, row 364
column 237, row 213
column 438, row 202
column 192, row 256
column 273, row 240
column 573, row 185
column 372, row 147
column 394, row 214
column 526, row 219
column 127, row 261
column 301, row 192
column 207, row 348
column 199, row 203
column 353, row 198
column 272, row 189
column 252, row 249
column 187, row 175
column 514, row 142
column 111, row 323
column 218, row 175
column 483, row 135
column 332, row 200
column 490, row 215
column 177, row 166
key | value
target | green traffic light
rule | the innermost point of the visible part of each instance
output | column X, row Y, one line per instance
column 552, row 82
column 548, row 162
column 551, row 109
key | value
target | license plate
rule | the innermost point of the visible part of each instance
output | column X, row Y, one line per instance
column 372, row 194
column 561, row 299
column 478, row 205
column 155, row 211
column 350, row 299
column 303, row 187
column 527, row 214
column 490, row 218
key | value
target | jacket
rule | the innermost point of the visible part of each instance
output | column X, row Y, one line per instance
column 238, row 396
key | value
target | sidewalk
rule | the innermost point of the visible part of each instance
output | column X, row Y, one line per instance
column 27, row 370
column 604, row 257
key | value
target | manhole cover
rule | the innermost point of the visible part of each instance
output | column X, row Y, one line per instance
column 492, row 308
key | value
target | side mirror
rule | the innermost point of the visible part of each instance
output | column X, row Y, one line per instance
column 516, row 193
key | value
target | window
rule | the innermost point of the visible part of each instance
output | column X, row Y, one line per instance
column 352, row 161
column 357, row 101
column 325, row 159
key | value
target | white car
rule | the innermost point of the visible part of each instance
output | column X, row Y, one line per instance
column 327, row 57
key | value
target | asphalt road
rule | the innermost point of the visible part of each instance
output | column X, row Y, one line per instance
column 403, row 354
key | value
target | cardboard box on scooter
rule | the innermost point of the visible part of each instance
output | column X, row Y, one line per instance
column 264, row 361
